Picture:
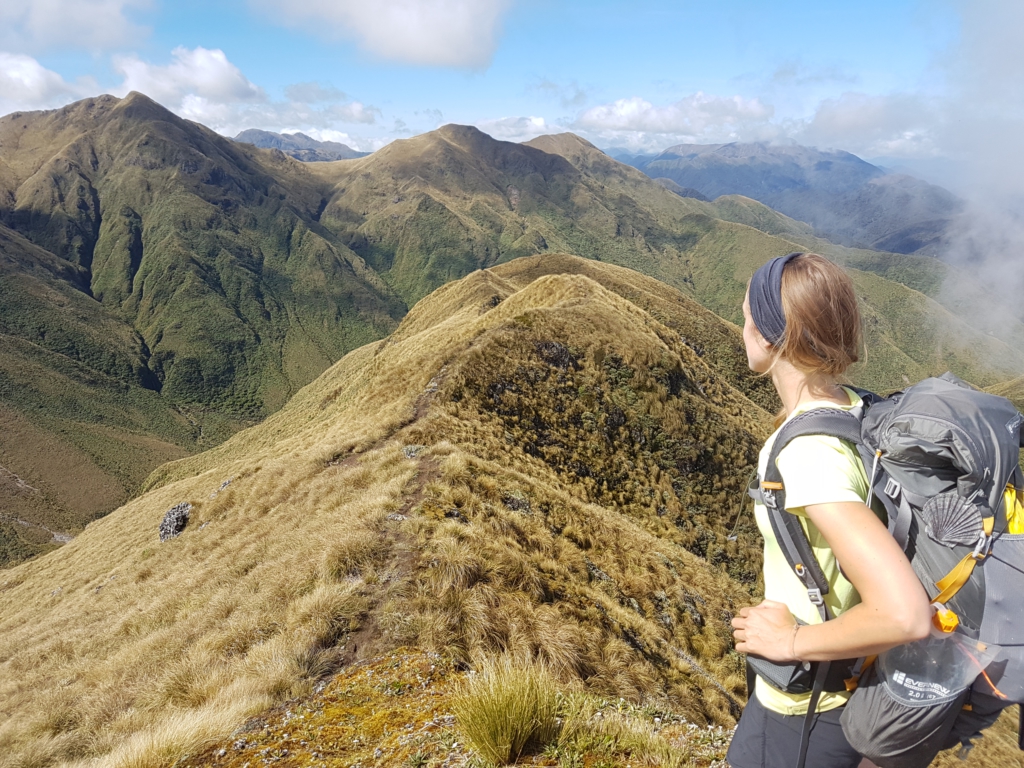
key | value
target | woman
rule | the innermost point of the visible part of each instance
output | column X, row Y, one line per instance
column 802, row 328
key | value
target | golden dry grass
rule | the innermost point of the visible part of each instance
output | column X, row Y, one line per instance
column 331, row 541
column 508, row 709
column 551, row 476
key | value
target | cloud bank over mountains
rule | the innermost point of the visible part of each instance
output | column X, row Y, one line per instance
column 25, row 84
column 197, row 84
column 637, row 123
column 202, row 85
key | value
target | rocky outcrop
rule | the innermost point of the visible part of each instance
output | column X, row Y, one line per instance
column 175, row 520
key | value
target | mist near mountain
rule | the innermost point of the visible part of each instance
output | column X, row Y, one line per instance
column 846, row 200
column 299, row 145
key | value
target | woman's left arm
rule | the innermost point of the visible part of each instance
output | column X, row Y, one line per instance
column 894, row 607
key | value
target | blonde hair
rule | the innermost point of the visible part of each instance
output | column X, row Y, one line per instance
column 823, row 326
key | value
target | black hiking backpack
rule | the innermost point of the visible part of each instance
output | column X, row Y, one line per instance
column 942, row 460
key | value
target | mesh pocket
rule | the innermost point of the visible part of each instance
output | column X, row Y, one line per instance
column 892, row 734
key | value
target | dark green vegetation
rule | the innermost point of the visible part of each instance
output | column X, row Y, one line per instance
column 161, row 286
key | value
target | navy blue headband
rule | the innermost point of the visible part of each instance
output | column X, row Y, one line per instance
column 766, row 299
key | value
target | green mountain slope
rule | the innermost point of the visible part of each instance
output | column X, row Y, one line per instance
column 211, row 253
column 81, row 424
column 162, row 285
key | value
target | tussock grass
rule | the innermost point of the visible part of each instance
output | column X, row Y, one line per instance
column 508, row 709
column 576, row 473
column 330, row 542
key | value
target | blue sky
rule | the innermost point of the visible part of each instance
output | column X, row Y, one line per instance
column 885, row 80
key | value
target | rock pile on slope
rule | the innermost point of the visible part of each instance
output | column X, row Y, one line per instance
column 175, row 520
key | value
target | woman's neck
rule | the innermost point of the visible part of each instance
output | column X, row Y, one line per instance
column 796, row 388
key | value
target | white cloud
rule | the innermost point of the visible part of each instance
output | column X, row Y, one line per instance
column 700, row 118
column 199, row 73
column 201, row 84
column 517, row 128
column 897, row 125
column 198, row 84
column 25, row 84
column 37, row 25
column 450, row 33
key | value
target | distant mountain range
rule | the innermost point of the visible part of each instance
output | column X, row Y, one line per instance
column 299, row 145
column 162, row 286
column 847, row 200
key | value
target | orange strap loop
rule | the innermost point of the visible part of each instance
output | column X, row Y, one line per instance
column 951, row 583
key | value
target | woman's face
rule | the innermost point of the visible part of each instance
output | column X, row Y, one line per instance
column 759, row 357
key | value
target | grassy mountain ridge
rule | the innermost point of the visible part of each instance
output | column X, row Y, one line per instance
column 551, row 474
column 533, row 464
column 168, row 217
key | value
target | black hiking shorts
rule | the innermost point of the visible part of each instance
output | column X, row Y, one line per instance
column 766, row 739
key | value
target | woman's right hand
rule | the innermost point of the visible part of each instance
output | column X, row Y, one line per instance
column 767, row 630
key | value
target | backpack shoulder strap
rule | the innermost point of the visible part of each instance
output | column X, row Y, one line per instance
column 832, row 422
column 788, row 531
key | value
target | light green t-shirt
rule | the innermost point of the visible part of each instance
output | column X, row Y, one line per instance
column 816, row 470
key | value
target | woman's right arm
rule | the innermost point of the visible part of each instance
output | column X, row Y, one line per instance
column 894, row 607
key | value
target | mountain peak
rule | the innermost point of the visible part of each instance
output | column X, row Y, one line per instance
column 141, row 107
column 455, row 131
column 560, row 143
